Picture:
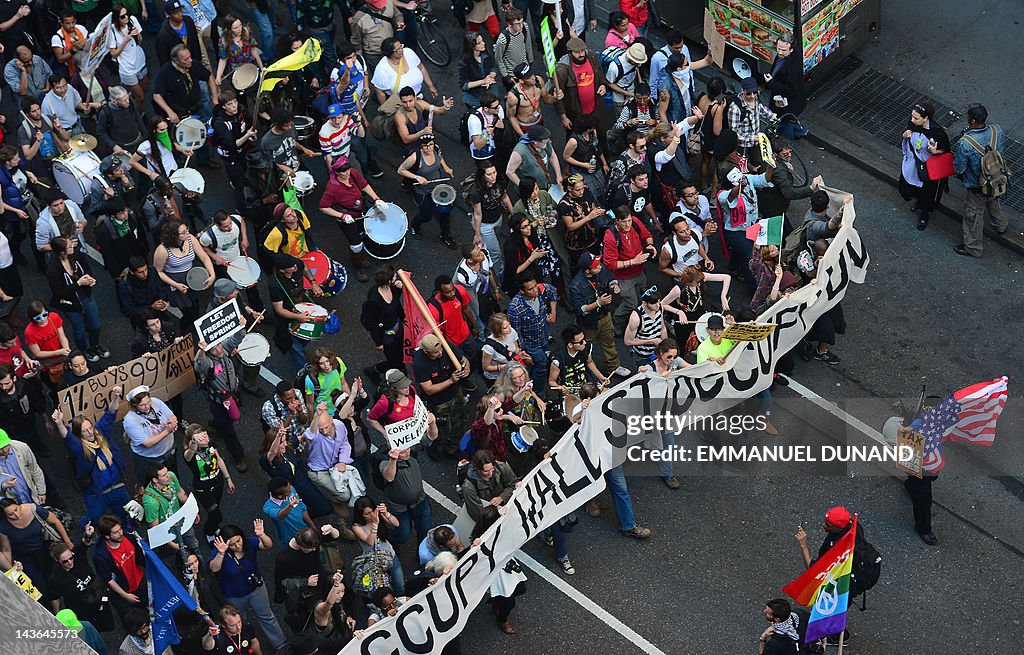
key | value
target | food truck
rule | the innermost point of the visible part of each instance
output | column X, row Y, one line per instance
column 826, row 32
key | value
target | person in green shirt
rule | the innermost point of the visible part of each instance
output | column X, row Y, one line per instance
column 162, row 497
column 325, row 374
column 714, row 348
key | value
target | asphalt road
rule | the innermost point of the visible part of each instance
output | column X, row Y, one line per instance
column 722, row 545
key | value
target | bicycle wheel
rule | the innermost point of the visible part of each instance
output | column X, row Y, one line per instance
column 432, row 43
column 799, row 170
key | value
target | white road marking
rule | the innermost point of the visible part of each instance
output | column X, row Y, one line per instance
column 838, row 412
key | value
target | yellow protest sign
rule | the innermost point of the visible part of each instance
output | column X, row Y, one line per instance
column 911, row 439
column 748, row 331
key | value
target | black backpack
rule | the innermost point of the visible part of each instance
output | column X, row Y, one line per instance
column 211, row 231
column 867, row 566
column 464, row 125
column 733, row 99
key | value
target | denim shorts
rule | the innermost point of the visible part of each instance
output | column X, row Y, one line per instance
column 132, row 80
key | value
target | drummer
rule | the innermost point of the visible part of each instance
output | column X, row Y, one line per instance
column 224, row 291
column 234, row 136
column 291, row 235
column 426, row 168
column 285, row 292
column 343, row 200
column 573, row 365
column 173, row 259
column 225, row 241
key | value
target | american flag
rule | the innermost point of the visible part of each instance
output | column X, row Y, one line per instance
column 968, row 415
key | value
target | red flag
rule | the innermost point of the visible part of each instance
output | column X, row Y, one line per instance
column 415, row 326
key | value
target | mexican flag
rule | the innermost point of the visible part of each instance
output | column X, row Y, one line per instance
column 766, row 232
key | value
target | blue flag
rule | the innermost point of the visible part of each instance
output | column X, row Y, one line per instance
column 166, row 595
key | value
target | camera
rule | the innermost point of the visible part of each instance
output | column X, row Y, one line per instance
column 254, row 580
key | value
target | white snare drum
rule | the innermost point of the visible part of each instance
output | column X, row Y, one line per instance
column 313, row 329
column 190, row 133
column 385, row 231
column 254, row 349
column 303, row 183
column 443, row 196
column 190, row 179
column 701, row 328
column 196, row 278
column 244, row 271
column 524, row 438
column 74, row 172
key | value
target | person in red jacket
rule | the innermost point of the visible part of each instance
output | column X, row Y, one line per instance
column 627, row 247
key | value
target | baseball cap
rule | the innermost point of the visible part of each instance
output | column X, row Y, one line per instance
column 172, row 6
column 749, row 84
column 430, row 343
column 109, row 163
column 397, row 379
column 4, row 439
column 522, row 71
column 69, row 619
column 838, row 516
column 588, row 261
column 715, row 322
column 223, row 288
column 334, row 111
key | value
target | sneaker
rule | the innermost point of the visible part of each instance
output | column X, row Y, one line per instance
column 781, row 380
column 828, row 357
column 91, row 355
column 833, row 640
column 928, row 538
column 806, row 350
column 374, row 170
column 102, row 352
column 450, row 243
column 622, row 372
column 637, row 532
column 593, row 509
column 567, row 567
column 671, row 482
column 549, row 540
column 415, row 231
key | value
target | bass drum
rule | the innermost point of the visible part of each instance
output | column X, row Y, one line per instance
column 385, row 231
column 74, row 172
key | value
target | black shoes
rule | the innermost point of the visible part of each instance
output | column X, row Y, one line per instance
column 928, row 538
column 962, row 251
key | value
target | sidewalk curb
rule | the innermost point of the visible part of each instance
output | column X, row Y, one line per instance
column 880, row 162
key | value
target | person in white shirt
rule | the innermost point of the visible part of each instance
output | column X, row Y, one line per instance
column 475, row 272
column 69, row 39
column 63, row 104
column 124, row 40
column 58, row 211
column 682, row 249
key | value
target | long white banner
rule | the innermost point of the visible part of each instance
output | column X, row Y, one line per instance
column 575, row 471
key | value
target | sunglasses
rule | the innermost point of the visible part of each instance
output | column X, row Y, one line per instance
column 67, row 559
column 41, row 317
column 647, row 293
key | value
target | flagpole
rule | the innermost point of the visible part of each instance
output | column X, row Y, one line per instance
column 256, row 103
column 428, row 318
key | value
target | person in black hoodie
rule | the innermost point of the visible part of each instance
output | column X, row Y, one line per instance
column 382, row 316
column 142, row 289
column 119, row 238
column 786, row 84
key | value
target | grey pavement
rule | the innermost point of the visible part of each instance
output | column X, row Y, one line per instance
column 723, row 545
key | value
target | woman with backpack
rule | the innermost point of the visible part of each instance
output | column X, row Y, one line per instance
column 546, row 230
column 323, row 374
column 713, row 106
column 500, row 348
column 371, row 523
column 583, row 156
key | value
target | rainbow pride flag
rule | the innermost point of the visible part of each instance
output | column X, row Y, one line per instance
column 825, row 588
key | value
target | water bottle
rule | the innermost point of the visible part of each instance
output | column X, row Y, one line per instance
column 593, row 162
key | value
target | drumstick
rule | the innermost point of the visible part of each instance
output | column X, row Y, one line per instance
column 255, row 321
column 249, row 347
column 440, row 179
column 187, row 159
column 43, row 184
column 531, row 423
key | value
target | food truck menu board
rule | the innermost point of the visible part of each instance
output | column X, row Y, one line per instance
column 750, row 27
column 821, row 31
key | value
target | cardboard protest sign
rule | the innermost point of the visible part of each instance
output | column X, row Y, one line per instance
column 97, row 48
column 219, row 323
column 408, row 432
column 714, row 39
column 907, row 437
column 748, row 332
column 167, row 374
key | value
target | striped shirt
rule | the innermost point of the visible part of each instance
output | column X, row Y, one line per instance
column 336, row 141
column 349, row 96
column 649, row 328
column 510, row 50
